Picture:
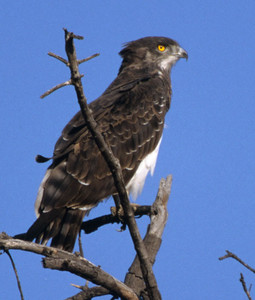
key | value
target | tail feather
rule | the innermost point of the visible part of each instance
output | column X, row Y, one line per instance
column 70, row 227
column 62, row 225
column 53, row 225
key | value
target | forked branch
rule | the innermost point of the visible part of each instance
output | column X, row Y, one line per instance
column 247, row 292
column 234, row 256
column 65, row 261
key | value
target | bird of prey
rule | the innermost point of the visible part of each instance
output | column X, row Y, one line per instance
column 130, row 114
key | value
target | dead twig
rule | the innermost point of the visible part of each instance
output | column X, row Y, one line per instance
column 58, row 57
column 234, row 256
column 58, row 86
column 87, row 59
column 230, row 254
column 244, row 287
column 16, row 274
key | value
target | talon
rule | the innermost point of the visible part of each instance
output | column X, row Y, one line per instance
column 118, row 212
column 123, row 227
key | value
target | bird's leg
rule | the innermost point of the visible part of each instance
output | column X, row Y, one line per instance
column 117, row 210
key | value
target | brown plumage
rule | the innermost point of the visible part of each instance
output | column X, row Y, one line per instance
column 130, row 115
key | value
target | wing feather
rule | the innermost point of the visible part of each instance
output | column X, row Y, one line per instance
column 132, row 126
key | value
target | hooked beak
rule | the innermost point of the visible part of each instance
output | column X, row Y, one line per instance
column 182, row 53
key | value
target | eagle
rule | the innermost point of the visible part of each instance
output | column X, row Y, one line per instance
column 130, row 115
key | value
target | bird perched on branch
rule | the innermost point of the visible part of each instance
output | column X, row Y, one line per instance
column 130, row 114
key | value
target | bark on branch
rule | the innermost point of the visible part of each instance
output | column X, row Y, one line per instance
column 66, row 261
column 153, row 237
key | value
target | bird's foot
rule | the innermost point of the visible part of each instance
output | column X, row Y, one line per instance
column 119, row 213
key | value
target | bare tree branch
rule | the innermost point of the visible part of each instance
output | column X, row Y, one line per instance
column 153, row 237
column 58, row 57
column 234, row 256
column 16, row 274
column 244, row 287
column 68, row 82
column 92, row 225
column 80, row 61
column 230, row 254
column 115, row 168
column 65, row 261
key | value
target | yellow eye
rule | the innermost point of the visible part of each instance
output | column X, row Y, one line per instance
column 161, row 48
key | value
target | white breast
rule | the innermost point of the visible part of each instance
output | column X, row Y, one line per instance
column 135, row 185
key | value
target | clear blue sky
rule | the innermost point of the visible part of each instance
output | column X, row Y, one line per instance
column 208, row 143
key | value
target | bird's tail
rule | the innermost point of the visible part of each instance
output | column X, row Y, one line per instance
column 62, row 225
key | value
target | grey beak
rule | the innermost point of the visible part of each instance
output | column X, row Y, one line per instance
column 182, row 53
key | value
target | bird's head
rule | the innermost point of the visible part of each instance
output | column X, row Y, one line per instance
column 159, row 52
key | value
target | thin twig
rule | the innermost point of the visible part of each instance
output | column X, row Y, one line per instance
column 58, row 57
column 88, row 58
column 230, row 254
column 68, row 82
column 16, row 274
column 244, row 287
